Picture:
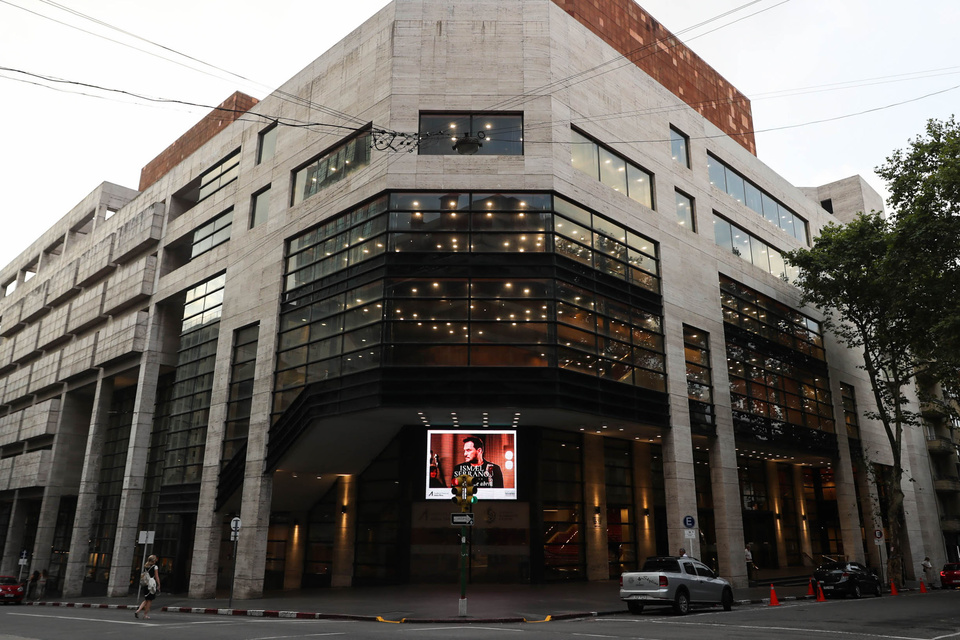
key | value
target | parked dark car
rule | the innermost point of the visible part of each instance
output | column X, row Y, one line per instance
column 950, row 575
column 847, row 579
column 10, row 590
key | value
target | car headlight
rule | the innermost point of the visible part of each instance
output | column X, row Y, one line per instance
column 19, row 589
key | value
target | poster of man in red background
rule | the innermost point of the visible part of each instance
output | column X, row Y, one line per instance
column 488, row 456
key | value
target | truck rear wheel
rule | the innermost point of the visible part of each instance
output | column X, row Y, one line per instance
column 634, row 607
column 681, row 603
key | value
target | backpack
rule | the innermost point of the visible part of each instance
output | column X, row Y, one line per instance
column 145, row 579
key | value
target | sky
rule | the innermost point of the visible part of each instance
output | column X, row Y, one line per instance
column 836, row 85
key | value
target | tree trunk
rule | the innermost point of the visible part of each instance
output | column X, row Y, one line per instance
column 894, row 509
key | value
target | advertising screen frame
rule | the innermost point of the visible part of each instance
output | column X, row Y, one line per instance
column 446, row 459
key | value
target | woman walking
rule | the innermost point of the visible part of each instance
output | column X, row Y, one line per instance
column 150, row 578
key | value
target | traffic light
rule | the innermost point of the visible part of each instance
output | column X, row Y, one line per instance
column 464, row 492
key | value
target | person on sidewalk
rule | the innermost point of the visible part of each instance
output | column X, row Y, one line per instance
column 748, row 558
column 928, row 574
column 153, row 587
column 683, row 553
column 41, row 585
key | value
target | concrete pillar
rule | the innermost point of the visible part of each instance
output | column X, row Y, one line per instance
column 679, row 481
column 15, row 529
column 344, row 538
column 726, row 500
column 806, row 546
column 847, row 503
column 872, row 521
column 206, row 545
column 131, row 494
column 73, row 425
column 296, row 552
column 595, row 507
column 776, row 505
column 644, row 499
column 89, row 485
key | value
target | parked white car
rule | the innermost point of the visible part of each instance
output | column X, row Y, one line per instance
column 673, row 581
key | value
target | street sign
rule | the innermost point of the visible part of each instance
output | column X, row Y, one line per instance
column 146, row 537
column 461, row 519
column 23, row 554
column 689, row 522
column 878, row 534
column 878, row 541
column 235, row 524
column 690, row 534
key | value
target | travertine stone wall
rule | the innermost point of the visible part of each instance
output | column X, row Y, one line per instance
column 121, row 336
column 40, row 419
column 31, row 469
column 78, row 356
column 17, row 383
column 53, row 326
column 130, row 283
column 139, row 232
column 87, row 309
column 11, row 319
column 96, row 261
column 45, row 372
column 34, row 303
column 10, row 427
column 62, row 284
column 26, row 342
column 6, row 351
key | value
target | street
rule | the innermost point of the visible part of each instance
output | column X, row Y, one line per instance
column 915, row 616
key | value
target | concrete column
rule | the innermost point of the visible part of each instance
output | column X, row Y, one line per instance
column 296, row 551
column 206, row 546
column 678, row 480
column 871, row 519
column 847, row 503
column 89, row 484
column 73, row 425
column 595, row 507
column 776, row 505
column 726, row 500
column 344, row 539
column 643, row 498
column 805, row 545
column 14, row 543
column 128, row 518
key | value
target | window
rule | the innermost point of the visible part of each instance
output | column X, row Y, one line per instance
column 260, row 207
column 10, row 287
column 679, row 144
column 685, row 211
column 827, row 205
column 212, row 234
column 267, row 143
column 752, row 249
column 611, row 169
column 331, row 166
column 850, row 413
column 500, row 134
column 696, row 348
column 206, row 184
column 109, row 213
column 755, row 198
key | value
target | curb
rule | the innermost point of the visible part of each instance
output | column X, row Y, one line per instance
column 306, row 615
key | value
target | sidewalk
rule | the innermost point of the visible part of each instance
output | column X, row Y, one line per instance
column 423, row 603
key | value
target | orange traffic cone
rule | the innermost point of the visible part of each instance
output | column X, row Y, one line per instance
column 810, row 591
column 923, row 587
column 820, row 596
column 893, row 589
column 773, row 598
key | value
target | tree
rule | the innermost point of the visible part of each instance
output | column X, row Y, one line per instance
column 890, row 288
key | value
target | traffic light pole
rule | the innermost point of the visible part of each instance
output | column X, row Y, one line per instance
column 463, row 571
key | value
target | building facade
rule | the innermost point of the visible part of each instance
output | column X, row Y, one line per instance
column 545, row 227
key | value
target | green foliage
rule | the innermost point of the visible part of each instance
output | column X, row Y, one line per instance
column 892, row 286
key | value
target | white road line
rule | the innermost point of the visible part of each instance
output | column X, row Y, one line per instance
column 860, row 634
column 592, row 635
column 308, row 635
column 461, row 627
column 949, row 635
column 36, row 615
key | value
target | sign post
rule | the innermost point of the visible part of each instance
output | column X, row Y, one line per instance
column 878, row 540
column 22, row 562
column 144, row 538
column 235, row 536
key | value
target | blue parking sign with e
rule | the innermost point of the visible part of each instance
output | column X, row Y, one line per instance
column 688, row 522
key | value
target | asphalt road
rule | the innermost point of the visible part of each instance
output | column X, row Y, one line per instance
column 932, row 616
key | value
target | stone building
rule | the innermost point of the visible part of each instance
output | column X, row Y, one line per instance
column 543, row 224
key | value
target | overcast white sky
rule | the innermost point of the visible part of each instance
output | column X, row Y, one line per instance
column 57, row 146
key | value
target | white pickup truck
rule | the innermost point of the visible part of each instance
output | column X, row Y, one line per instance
column 678, row 582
